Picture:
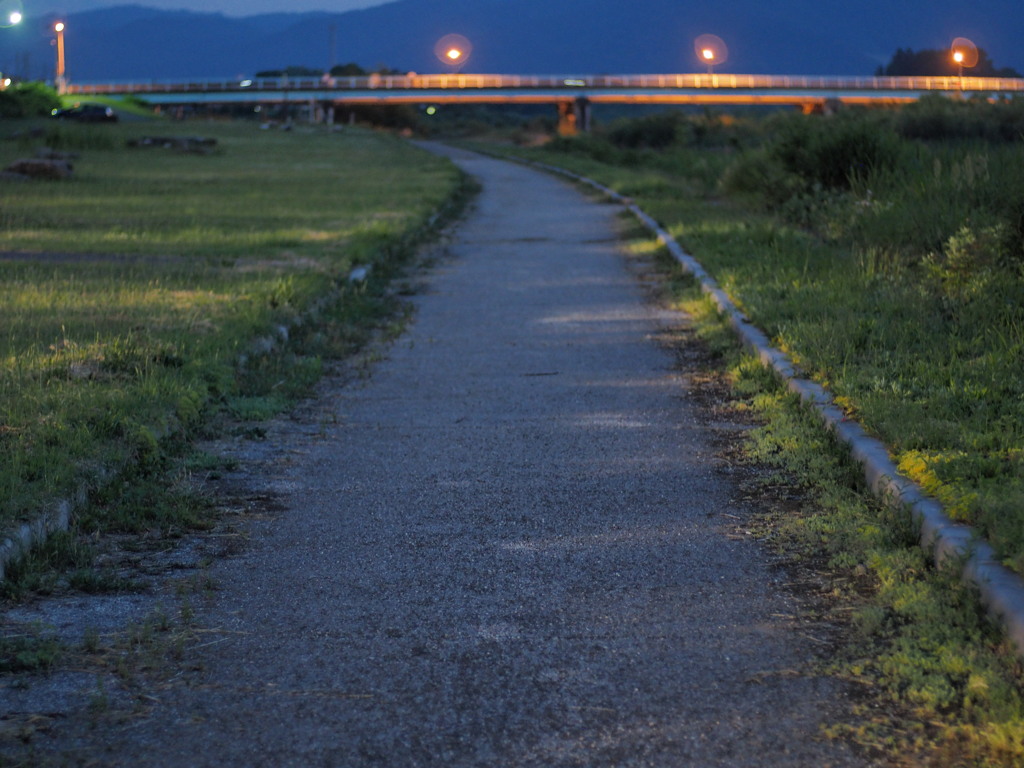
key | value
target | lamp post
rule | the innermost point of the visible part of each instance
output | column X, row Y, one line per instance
column 964, row 54
column 710, row 50
column 12, row 19
column 453, row 51
column 60, row 81
column 709, row 58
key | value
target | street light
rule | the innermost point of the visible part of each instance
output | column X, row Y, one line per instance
column 453, row 51
column 58, row 27
column 12, row 13
column 9, row 17
column 710, row 50
column 964, row 54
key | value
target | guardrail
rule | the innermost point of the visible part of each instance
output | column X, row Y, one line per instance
column 413, row 81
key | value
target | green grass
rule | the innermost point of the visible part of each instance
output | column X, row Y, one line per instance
column 28, row 653
column 149, row 274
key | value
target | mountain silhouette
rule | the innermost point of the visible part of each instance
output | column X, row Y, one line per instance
column 513, row 36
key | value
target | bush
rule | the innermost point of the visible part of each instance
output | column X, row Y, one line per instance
column 1013, row 244
column 28, row 100
column 939, row 118
column 757, row 174
column 835, row 152
column 967, row 262
column 653, row 132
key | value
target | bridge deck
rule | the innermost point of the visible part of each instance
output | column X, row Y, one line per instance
column 678, row 88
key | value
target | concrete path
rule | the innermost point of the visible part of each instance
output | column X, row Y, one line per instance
column 510, row 549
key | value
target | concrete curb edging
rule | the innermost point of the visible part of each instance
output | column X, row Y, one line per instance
column 1001, row 590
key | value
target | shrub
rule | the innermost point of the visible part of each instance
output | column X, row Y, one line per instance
column 652, row 132
column 758, row 174
column 835, row 152
column 28, row 100
column 968, row 261
column 1013, row 243
column 939, row 118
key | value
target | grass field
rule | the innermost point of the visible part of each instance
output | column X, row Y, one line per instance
column 136, row 285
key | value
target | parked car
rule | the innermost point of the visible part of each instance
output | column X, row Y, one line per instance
column 87, row 113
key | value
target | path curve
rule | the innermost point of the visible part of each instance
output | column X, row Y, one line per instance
column 506, row 547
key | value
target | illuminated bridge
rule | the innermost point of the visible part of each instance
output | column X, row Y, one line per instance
column 573, row 95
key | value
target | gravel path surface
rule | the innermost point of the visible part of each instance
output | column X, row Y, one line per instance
column 506, row 547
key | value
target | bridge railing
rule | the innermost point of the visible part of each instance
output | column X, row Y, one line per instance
column 413, row 81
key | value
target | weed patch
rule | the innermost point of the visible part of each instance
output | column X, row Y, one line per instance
column 28, row 653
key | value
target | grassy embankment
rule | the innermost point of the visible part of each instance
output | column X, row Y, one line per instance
column 150, row 272
column 885, row 253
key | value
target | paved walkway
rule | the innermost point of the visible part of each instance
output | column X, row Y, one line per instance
column 510, row 550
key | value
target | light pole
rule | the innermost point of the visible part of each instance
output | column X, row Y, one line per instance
column 709, row 58
column 60, row 82
column 12, row 18
column 964, row 54
column 11, row 13
column 453, row 51
column 710, row 50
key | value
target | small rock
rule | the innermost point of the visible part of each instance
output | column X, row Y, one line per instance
column 359, row 274
column 39, row 168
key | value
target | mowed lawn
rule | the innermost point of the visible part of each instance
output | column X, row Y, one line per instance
column 129, row 292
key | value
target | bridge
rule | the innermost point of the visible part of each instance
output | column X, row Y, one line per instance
column 572, row 95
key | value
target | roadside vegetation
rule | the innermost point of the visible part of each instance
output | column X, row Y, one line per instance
column 157, row 288
column 884, row 252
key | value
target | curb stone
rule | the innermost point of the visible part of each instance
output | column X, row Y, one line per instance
column 1001, row 590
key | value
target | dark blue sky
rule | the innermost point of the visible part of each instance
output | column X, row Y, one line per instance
column 781, row 36
column 227, row 7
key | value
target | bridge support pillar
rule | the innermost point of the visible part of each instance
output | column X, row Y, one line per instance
column 573, row 117
column 583, row 111
column 566, row 118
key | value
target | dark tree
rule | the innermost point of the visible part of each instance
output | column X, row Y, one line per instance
column 291, row 72
column 348, row 70
column 354, row 70
column 909, row 63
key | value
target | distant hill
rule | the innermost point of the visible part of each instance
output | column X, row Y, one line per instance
column 514, row 36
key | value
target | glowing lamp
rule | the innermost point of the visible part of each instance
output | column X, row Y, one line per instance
column 453, row 51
